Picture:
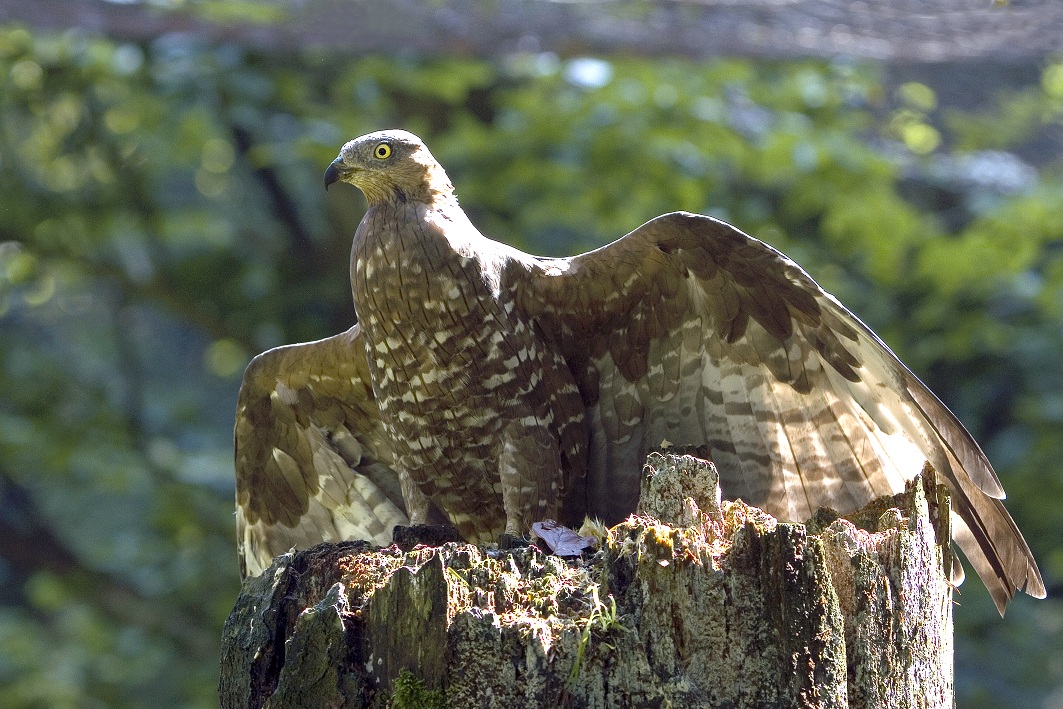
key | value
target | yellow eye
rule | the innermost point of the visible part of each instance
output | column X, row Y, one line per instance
column 382, row 151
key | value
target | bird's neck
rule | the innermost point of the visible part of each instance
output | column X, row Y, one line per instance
column 409, row 257
column 414, row 230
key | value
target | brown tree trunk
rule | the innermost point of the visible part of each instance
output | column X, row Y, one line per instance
column 689, row 603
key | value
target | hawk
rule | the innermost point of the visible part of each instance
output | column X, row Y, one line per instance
column 492, row 388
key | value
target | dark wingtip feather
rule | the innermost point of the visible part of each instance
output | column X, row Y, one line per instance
column 995, row 548
column 955, row 436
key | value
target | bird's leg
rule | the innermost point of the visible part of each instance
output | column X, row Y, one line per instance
column 420, row 529
column 416, row 502
column 531, row 474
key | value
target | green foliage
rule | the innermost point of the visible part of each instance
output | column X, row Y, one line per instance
column 410, row 693
column 162, row 219
column 602, row 620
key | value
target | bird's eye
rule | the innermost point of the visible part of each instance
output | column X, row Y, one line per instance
column 382, row 151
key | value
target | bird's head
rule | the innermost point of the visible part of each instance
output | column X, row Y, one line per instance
column 389, row 165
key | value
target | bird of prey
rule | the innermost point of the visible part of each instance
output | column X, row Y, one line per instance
column 493, row 389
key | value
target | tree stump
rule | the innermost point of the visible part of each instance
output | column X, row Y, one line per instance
column 689, row 603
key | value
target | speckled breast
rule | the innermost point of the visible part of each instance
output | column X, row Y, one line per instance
column 449, row 362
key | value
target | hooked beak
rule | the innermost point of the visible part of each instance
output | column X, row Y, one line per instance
column 334, row 172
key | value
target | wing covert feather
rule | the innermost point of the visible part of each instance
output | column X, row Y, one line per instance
column 312, row 459
column 687, row 319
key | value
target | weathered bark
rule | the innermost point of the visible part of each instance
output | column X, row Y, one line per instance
column 689, row 603
column 899, row 30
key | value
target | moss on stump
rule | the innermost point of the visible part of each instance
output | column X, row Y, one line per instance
column 689, row 603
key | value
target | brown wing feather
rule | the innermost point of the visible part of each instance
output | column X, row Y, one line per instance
column 691, row 331
column 312, row 460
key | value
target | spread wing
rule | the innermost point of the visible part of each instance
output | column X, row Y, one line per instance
column 312, row 460
column 688, row 330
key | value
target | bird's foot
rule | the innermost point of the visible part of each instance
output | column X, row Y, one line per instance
column 513, row 541
column 432, row 535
